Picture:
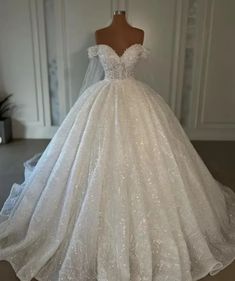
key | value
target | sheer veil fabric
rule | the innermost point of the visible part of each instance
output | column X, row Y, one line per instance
column 119, row 194
column 94, row 73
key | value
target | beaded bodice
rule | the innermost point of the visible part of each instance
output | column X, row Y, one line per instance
column 115, row 66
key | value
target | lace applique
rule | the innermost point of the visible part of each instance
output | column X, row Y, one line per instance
column 92, row 51
column 115, row 66
column 145, row 53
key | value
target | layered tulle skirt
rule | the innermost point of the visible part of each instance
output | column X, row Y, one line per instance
column 119, row 194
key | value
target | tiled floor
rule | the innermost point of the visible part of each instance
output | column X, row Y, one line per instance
column 218, row 156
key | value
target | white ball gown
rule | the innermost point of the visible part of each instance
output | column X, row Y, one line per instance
column 119, row 194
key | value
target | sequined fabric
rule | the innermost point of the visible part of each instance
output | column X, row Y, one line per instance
column 118, row 67
column 119, row 194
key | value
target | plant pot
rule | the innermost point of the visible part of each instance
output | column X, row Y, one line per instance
column 5, row 130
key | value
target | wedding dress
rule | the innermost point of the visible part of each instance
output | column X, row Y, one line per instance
column 119, row 194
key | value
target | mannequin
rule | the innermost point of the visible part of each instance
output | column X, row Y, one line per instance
column 119, row 35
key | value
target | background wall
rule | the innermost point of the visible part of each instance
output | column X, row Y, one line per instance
column 208, row 99
column 43, row 58
column 161, row 21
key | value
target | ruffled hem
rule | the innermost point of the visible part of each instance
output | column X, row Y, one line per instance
column 212, row 270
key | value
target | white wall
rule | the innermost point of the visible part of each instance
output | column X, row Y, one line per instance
column 24, row 66
column 161, row 21
column 211, row 112
column 23, row 55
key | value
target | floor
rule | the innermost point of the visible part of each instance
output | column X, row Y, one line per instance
column 218, row 156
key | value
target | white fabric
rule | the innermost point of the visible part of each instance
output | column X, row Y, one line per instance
column 94, row 73
column 119, row 194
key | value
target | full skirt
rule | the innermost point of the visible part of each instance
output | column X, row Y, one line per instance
column 119, row 194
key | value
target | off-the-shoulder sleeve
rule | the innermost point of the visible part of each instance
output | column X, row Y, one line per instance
column 145, row 52
column 92, row 51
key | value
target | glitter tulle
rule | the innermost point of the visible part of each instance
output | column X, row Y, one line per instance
column 119, row 194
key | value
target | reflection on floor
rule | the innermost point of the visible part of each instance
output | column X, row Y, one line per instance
column 218, row 156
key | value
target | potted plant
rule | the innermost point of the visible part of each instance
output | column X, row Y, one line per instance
column 5, row 120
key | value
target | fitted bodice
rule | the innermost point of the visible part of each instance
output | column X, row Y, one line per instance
column 115, row 66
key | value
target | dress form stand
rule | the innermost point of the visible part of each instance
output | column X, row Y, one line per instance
column 119, row 35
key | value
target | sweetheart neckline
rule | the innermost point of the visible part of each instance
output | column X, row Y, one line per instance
column 128, row 48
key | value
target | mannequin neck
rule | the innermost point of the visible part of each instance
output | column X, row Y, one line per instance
column 119, row 18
